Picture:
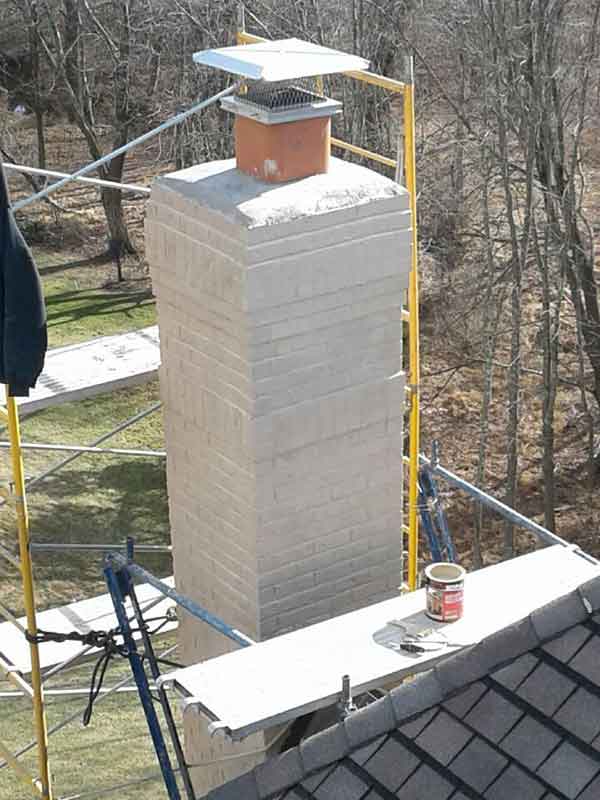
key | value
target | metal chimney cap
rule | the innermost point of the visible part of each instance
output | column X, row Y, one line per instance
column 280, row 60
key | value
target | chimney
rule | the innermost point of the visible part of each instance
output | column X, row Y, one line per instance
column 279, row 293
column 282, row 131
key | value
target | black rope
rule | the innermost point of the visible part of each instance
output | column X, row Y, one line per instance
column 102, row 640
column 111, row 649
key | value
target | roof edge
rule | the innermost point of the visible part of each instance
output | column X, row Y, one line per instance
column 410, row 699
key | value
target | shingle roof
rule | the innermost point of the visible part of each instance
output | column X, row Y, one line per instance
column 515, row 716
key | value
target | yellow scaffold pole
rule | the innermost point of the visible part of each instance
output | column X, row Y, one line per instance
column 19, row 498
column 413, row 326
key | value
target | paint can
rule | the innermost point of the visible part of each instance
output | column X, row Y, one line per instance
column 444, row 589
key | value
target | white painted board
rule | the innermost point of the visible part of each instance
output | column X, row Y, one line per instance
column 95, row 613
column 280, row 60
column 280, row 679
column 103, row 364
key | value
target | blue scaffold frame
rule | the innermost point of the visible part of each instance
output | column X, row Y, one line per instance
column 120, row 573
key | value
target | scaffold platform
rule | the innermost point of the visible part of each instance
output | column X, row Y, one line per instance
column 95, row 613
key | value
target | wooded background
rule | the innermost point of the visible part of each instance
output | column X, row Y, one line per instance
column 508, row 100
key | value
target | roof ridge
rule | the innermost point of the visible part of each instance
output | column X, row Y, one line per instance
column 427, row 689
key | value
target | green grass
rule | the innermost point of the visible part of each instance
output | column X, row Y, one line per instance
column 82, row 303
column 94, row 499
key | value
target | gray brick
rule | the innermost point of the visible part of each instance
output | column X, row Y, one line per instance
column 530, row 743
column 279, row 772
column 591, row 591
column 443, row 738
column 493, row 716
column 564, row 647
column 569, row 770
column 341, row 784
column 462, row 702
column 516, row 672
column 426, row 783
column 415, row 726
column 514, row 784
column 370, row 722
column 244, row 786
column 559, row 615
column 478, row 765
column 419, row 694
column 324, row 748
column 580, row 715
column 391, row 764
column 587, row 660
column 546, row 689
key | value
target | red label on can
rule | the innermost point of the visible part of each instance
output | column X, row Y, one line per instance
column 445, row 604
column 452, row 604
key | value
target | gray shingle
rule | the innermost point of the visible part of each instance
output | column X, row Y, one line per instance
column 516, row 672
column 591, row 591
column 587, row 660
column 559, row 615
column 415, row 726
column 465, row 700
column 426, row 783
column 370, row 722
column 417, row 695
column 546, row 689
column 493, row 716
column 244, row 786
column 565, row 646
column 569, row 770
column 312, row 781
column 530, row 743
column 391, row 764
column 324, row 748
column 443, row 738
column 279, row 772
column 474, row 663
column 478, row 765
column 580, row 715
column 515, row 784
column 591, row 792
column 364, row 753
column 341, row 784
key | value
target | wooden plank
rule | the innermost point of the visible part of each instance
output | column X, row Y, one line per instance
column 280, row 679
column 95, row 613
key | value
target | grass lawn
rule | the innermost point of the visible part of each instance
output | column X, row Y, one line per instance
column 94, row 499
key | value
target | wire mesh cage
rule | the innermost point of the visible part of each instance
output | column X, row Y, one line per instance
column 282, row 96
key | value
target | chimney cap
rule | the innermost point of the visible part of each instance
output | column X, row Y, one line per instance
column 280, row 60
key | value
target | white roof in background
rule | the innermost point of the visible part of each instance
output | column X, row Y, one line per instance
column 280, row 60
column 280, row 679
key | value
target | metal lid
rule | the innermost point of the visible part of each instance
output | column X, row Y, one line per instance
column 280, row 60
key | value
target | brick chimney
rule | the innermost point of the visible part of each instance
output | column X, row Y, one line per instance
column 279, row 307
column 282, row 131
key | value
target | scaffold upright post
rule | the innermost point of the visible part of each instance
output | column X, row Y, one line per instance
column 120, row 586
column 413, row 326
column 39, row 716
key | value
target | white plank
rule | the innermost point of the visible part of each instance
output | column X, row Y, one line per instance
column 280, row 679
column 95, row 613
column 280, row 60
column 99, row 365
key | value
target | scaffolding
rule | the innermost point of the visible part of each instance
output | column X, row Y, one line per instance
column 405, row 162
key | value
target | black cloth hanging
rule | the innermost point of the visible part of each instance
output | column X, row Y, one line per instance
column 23, row 334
